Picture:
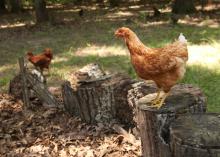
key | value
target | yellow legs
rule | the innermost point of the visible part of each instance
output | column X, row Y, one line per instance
column 157, row 98
column 159, row 102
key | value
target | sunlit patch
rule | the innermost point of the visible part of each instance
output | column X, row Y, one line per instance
column 70, row 10
column 199, row 22
column 101, row 51
column 17, row 24
column 208, row 55
column 6, row 67
column 59, row 59
column 12, row 25
column 120, row 14
column 135, row 7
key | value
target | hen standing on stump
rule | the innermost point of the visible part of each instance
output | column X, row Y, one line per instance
column 165, row 66
column 41, row 61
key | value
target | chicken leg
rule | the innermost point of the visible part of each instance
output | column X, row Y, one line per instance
column 159, row 103
column 157, row 98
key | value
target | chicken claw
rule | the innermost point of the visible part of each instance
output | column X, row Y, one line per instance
column 160, row 101
column 157, row 98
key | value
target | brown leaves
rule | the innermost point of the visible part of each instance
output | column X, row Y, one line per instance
column 52, row 132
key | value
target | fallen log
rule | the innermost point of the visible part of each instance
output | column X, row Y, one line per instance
column 195, row 135
column 154, row 123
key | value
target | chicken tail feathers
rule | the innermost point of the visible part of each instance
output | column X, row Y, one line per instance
column 182, row 38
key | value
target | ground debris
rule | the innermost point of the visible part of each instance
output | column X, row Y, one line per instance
column 53, row 132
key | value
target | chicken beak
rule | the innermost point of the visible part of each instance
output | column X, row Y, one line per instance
column 117, row 34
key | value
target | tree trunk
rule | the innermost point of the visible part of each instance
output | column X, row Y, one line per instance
column 183, row 7
column 154, row 123
column 100, row 1
column 41, row 11
column 196, row 135
column 15, row 6
column 2, row 6
column 114, row 3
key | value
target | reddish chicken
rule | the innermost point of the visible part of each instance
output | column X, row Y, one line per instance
column 41, row 61
column 165, row 66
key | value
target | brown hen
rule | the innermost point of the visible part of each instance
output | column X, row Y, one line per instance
column 41, row 61
column 165, row 66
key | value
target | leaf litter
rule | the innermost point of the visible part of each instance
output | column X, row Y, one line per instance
column 52, row 132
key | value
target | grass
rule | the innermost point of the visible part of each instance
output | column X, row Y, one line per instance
column 83, row 41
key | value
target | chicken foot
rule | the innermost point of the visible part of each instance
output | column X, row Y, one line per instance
column 160, row 102
column 157, row 98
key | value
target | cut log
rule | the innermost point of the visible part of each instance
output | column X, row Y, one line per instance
column 154, row 123
column 135, row 92
column 95, row 102
column 98, row 97
column 196, row 135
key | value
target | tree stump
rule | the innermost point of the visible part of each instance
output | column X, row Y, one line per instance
column 100, row 100
column 31, row 86
column 154, row 123
column 196, row 136
column 25, row 92
column 137, row 91
column 41, row 91
column 98, row 97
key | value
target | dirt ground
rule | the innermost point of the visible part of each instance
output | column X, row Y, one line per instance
column 45, row 131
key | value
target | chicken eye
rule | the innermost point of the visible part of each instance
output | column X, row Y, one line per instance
column 120, row 31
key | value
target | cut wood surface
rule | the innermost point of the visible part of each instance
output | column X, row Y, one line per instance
column 154, row 123
column 182, row 97
column 196, row 135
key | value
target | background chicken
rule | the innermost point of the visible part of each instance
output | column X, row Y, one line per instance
column 41, row 61
column 165, row 66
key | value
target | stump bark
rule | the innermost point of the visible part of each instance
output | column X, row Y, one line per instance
column 25, row 92
column 41, row 91
column 99, row 100
column 196, row 135
column 154, row 123
column 98, row 97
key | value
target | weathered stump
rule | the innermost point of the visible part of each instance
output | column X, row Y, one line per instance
column 154, row 123
column 101, row 98
column 25, row 92
column 41, row 91
column 15, row 87
column 68, row 99
column 135, row 92
column 196, row 136
column 29, row 86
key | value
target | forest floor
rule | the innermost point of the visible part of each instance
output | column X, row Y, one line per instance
column 45, row 131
